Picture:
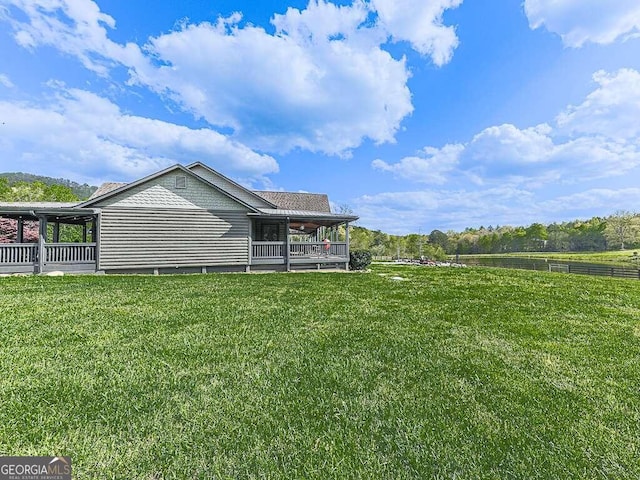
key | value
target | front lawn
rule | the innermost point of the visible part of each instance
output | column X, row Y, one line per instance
column 448, row 373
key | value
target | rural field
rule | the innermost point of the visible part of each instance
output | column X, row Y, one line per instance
column 449, row 373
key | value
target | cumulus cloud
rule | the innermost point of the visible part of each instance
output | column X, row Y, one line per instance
column 321, row 81
column 430, row 166
column 508, row 145
column 85, row 135
column 76, row 28
column 403, row 212
column 297, row 88
column 420, row 23
column 581, row 21
column 611, row 110
column 598, row 138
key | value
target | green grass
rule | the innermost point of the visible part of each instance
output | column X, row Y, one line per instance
column 451, row 373
column 623, row 258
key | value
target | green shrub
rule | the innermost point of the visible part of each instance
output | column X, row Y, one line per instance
column 359, row 259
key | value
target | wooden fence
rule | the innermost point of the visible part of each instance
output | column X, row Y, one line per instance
column 603, row 270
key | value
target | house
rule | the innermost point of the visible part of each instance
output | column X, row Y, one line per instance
column 181, row 219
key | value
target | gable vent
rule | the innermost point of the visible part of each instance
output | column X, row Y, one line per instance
column 181, row 181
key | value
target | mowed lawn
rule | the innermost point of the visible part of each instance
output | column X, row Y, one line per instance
column 449, row 373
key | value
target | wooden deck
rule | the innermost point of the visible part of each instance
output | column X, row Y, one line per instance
column 82, row 257
column 310, row 253
column 65, row 257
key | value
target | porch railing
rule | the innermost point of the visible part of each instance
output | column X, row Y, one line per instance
column 268, row 249
column 70, row 252
column 317, row 249
column 298, row 249
column 18, row 253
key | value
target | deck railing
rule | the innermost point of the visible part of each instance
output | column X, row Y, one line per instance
column 70, row 252
column 268, row 249
column 318, row 249
column 18, row 253
column 298, row 249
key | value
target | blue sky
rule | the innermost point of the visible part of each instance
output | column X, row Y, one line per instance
column 416, row 114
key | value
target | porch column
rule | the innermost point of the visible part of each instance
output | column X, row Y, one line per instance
column 95, row 238
column 20, row 233
column 250, row 242
column 42, row 239
column 56, row 232
column 84, row 232
column 287, row 245
column 346, row 239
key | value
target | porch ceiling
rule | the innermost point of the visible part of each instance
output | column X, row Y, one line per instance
column 64, row 212
column 324, row 219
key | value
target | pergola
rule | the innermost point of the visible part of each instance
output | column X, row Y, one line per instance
column 49, row 250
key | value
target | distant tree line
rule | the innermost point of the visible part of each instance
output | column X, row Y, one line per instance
column 618, row 231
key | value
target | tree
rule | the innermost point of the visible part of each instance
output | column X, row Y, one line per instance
column 536, row 237
column 620, row 228
column 5, row 189
column 438, row 238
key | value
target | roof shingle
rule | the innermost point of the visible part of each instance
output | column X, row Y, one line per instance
column 106, row 188
column 310, row 202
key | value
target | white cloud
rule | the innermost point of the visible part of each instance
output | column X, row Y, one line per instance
column 86, row 135
column 612, row 110
column 594, row 199
column 599, row 138
column 581, row 21
column 431, row 166
column 404, row 212
column 419, row 22
column 320, row 82
column 5, row 81
column 508, row 146
column 407, row 212
column 77, row 28
column 279, row 92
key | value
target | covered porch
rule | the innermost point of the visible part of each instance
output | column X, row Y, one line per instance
column 41, row 238
column 300, row 240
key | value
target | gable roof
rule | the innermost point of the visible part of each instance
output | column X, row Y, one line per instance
column 106, row 187
column 127, row 186
column 310, row 202
column 247, row 193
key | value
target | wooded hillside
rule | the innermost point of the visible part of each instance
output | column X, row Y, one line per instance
column 82, row 192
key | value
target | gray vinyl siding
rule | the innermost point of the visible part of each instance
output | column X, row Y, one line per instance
column 169, row 238
column 240, row 193
column 161, row 192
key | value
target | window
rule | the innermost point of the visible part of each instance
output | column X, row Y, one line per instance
column 181, row 181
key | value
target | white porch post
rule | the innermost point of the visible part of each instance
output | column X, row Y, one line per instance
column 20, row 233
column 95, row 237
column 287, row 245
column 347, row 242
column 42, row 221
column 250, row 242
column 56, row 232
